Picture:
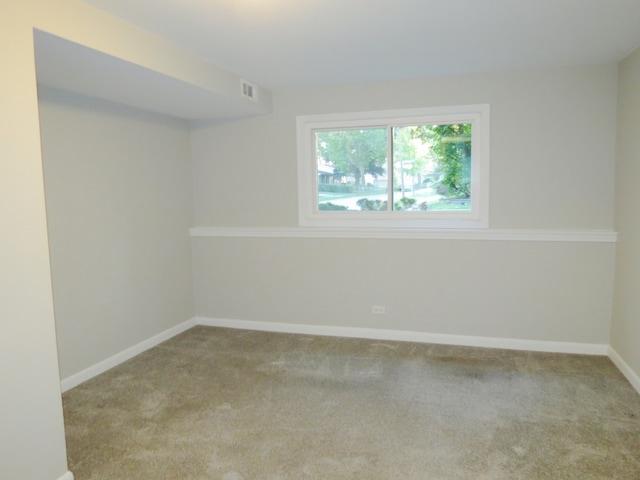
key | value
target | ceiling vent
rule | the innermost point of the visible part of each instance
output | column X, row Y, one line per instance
column 248, row 90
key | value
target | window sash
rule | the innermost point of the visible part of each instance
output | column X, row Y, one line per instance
column 476, row 217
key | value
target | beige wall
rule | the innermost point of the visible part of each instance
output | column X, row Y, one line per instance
column 552, row 167
column 31, row 427
column 119, row 202
column 30, row 408
column 625, row 331
column 552, row 147
column 558, row 292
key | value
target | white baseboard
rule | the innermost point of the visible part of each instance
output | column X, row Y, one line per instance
column 101, row 367
column 353, row 332
column 627, row 371
column 407, row 336
column 66, row 476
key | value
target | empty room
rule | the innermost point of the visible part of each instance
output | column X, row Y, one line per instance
column 307, row 240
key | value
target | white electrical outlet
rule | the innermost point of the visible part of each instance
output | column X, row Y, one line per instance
column 378, row 309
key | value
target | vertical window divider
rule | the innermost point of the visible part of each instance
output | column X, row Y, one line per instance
column 389, row 168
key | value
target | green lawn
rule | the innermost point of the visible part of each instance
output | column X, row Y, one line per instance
column 433, row 206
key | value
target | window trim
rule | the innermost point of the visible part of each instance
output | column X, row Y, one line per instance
column 478, row 217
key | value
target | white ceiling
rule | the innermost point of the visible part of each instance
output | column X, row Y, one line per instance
column 287, row 43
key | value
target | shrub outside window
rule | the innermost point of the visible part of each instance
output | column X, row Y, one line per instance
column 418, row 168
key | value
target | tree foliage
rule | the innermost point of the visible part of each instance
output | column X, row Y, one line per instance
column 451, row 148
column 408, row 162
column 405, row 203
column 405, row 149
column 354, row 152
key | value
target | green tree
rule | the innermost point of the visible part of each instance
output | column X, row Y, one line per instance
column 451, row 149
column 407, row 161
column 354, row 152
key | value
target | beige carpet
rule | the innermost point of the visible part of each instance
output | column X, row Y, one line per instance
column 236, row 405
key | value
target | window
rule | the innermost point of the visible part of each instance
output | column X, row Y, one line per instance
column 418, row 168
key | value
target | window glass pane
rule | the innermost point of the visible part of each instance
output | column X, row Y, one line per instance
column 352, row 169
column 432, row 167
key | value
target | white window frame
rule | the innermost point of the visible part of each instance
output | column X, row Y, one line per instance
column 477, row 217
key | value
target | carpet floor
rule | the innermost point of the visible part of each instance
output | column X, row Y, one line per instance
column 225, row 404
